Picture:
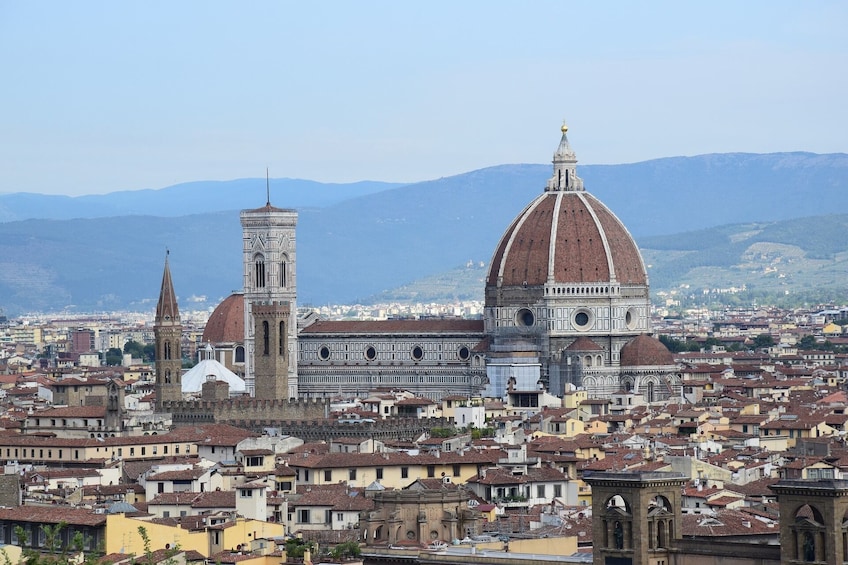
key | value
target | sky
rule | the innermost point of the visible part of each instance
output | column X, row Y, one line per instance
column 98, row 97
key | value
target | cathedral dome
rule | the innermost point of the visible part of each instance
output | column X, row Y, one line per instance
column 643, row 351
column 226, row 324
column 566, row 236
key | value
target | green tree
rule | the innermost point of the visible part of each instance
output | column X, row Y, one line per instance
column 296, row 547
column 114, row 356
column 808, row 342
column 136, row 349
column 346, row 549
column 673, row 345
column 763, row 340
column 149, row 353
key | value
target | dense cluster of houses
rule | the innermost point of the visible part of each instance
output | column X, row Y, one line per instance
column 83, row 449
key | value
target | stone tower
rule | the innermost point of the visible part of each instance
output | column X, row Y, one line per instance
column 167, row 331
column 813, row 518
column 270, row 302
column 635, row 516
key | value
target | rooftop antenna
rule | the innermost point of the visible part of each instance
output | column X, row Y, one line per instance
column 267, row 188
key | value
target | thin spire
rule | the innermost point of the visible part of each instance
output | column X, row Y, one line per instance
column 167, row 308
column 267, row 188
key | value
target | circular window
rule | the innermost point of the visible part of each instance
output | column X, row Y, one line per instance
column 323, row 353
column 630, row 319
column 464, row 353
column 417, row 353
column 370, row 353
column 525, row 317
column 582, row 319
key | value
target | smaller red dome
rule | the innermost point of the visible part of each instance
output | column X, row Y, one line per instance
column 226, row 324
column 644, row 350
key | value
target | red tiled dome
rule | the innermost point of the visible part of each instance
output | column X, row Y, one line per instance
column 590, row 245
column 644, row 350
column 226, row 324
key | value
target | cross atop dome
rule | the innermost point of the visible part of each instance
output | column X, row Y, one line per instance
column 565, row 166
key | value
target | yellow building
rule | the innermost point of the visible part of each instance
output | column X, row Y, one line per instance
column 123, row 536
column 392, row 470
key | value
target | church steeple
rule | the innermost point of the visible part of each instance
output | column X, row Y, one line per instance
column 565, row 166
column 167, row 331
column 167, row 308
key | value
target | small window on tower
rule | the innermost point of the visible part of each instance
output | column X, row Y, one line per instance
column 259, row 270
column 266, row 343
column 283, row 275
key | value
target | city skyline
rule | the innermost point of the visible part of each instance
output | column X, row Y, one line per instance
column 105, row 97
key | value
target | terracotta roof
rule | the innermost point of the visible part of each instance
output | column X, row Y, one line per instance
column 180, row 475
column 588, row 238
column 349, row 460
column 72, row 412
column 338, row 497
column 395, row 326
column 644, row 350
column 501, row 476
column 209, row 499
column 53, row 515
column 226, row 324
column 727, row 523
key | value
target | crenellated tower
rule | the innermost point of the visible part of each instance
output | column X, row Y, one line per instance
column 167, row 330
column 270, row 301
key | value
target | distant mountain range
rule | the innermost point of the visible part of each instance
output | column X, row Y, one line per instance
column 706, row 221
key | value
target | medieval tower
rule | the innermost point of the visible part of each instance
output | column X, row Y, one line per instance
column 270, row 302
column 167, row 331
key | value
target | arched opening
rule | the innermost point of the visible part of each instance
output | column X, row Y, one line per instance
column 618, row 523
column 259, row 270
column 808, row 534
column 266, row 338
column 167, row 349
column 239, row 354
column 282, row 339
column 284, row 275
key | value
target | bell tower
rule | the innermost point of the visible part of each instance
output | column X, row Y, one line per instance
column 813, row 520
column 167, row 331
column 270, row 301
column 635, row 516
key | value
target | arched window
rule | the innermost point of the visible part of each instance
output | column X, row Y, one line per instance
column 168, row 377
column 259, row 270
column 282, row 338
column 284, row 274
column 266, row 344
column 167, row 350
column 239, row 354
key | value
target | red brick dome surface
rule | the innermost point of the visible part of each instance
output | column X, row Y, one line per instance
column 226, row 324
column 644, row 350
column 591, row 245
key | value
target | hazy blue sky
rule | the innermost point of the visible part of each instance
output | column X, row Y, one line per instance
column 105, row 96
